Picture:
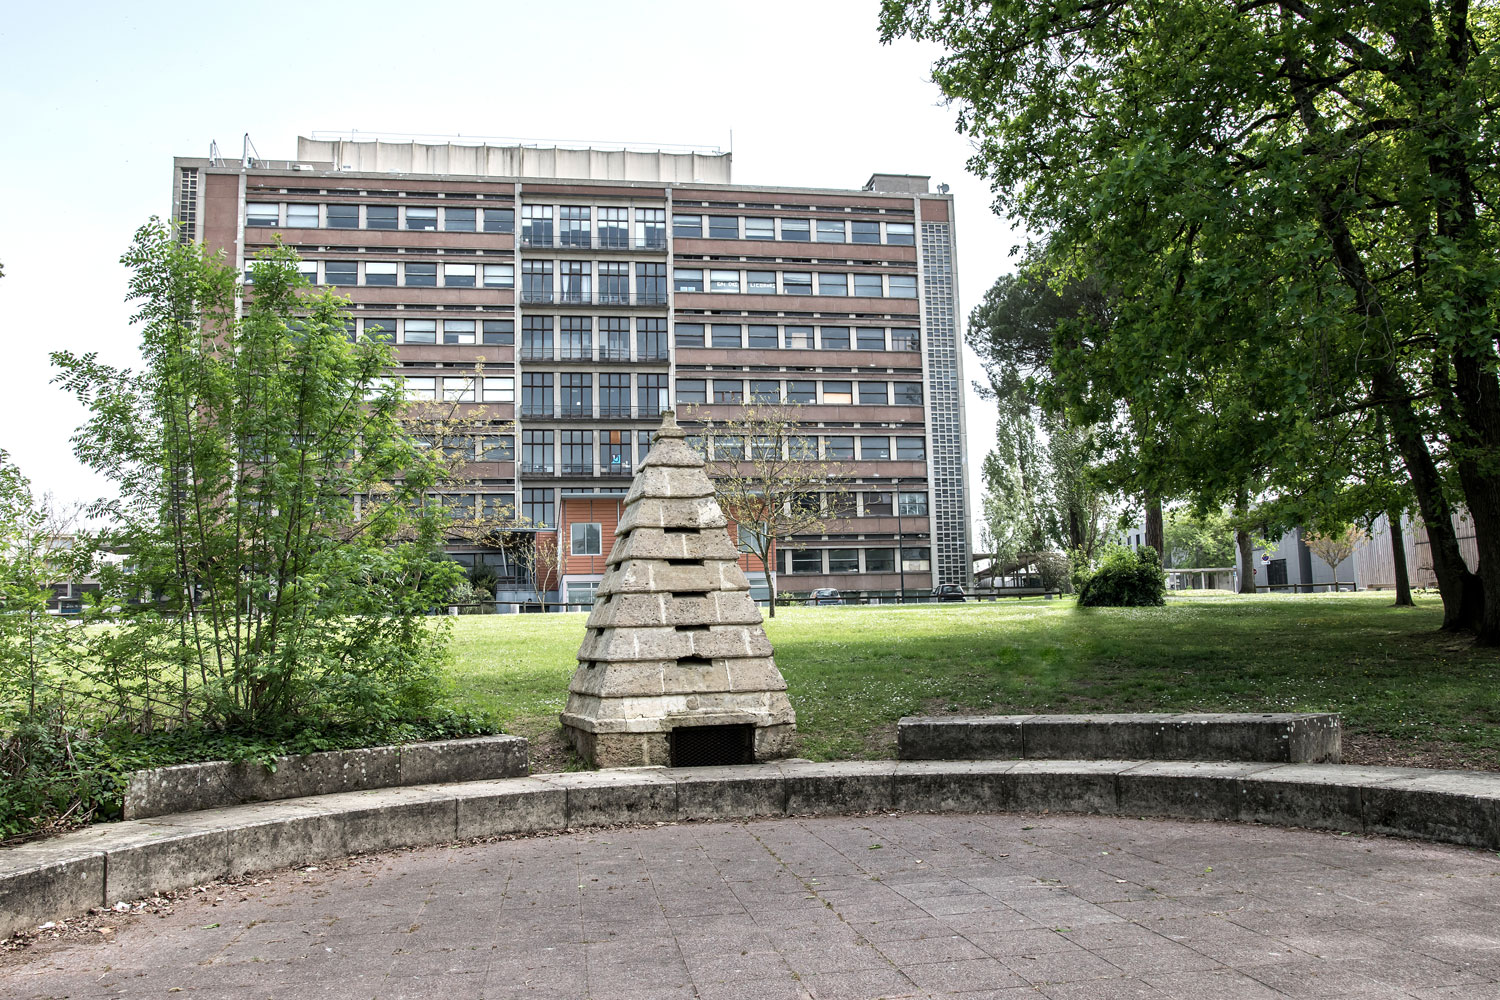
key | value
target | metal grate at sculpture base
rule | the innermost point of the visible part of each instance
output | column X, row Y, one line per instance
column 675, row 639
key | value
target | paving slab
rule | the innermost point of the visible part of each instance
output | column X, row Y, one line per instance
column 973, row 905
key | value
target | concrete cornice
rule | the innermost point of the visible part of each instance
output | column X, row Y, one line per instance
column 102, row 864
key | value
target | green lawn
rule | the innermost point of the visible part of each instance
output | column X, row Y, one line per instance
column 852, row 672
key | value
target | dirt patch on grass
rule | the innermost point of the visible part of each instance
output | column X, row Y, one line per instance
column 1388, row 751
column 551, row 752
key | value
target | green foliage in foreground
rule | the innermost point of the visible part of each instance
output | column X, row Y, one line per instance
column 852, row 671
column 1125, row 579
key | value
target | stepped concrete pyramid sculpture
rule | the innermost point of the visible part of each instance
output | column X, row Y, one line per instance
column 675, row 667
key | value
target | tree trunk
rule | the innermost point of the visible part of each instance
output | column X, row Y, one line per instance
column 1242, row 543
column 771, row 579
column 1398, row 560
column 1155, row 533
column 1075, row 527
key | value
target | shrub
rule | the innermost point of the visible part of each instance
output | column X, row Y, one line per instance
column 1054, row 569
column 1125, row 579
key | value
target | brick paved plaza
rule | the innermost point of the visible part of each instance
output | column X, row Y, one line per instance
column 977, row 907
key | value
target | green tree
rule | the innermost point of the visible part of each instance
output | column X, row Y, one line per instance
column 1290, row 199
column 281, row 555
column 1199, row 539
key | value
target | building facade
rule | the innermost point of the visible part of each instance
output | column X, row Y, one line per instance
column 567, row 296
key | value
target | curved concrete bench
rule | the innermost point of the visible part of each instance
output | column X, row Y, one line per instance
column 120, row 861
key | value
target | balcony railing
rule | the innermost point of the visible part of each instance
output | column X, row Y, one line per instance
column 536, row 469
column 547, row 296
column 592, row 241
column 603, row 412
column 580, row 470
column 603, row 355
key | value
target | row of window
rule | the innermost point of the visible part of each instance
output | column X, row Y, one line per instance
column 831, row 561
column 538, row 455
column 829, row 392
column 496, row 332
column 276, row 215
column 733, row 227
column 766, row 336
column 838, row 283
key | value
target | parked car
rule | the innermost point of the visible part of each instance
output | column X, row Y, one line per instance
column 948, row 592
column 825, row 595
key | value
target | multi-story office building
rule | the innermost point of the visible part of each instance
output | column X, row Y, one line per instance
column 597, row 288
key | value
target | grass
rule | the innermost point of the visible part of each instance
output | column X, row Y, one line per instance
column 853, row 671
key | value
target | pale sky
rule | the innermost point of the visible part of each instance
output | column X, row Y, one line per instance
column 99, row 101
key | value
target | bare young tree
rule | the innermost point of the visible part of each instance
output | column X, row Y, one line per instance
column 1334, row 547
column 769, row 478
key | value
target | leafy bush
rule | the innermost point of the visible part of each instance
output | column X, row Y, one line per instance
column 1126, row 579
column 1054, row 568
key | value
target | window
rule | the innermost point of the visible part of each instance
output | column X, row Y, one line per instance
column 651, row 284
column 499, row 331
column 495, row 448
column 760, row 229
column 911, row 449
column 727, row 336
column 651, row 398
column 843, row 560
column 685, row 279
column 380, row 217
column 830, row 230
column 878, row 505
column 688, row 335
column 458, row 275
column 802, row 448
column 614, row 279
column 341, row 272
column 796, row 283
column 687, row 225
column 650, row 339
column 381, row 329
column 458, row 331
column 868, row 285
column 912, row 504
column 916, row 560
column 575, row 338
column 866, row 232
column 588, row 540
column 903, row 286
column 577, row 453
column 614, row 228
column 799, row 338
column 581, row 593
column 536, row 451
column 614, row 338
column 536, row 225
column 765, row 391
column 499, row 220
column 692, row 390
column 536, row 281
column 807, row 561
column 900, row 233
column 302, row 216
column 419, row 331
column 838, row 392
column 262, row 214
column 870, row 339
column 728, row 390
column 500, row 389
column 724, row 281
column 536, row 394
column 729, row 447
column 908, row 393
column 536, row 338
column 760, row 282
column 614, row 396
column 421, row 275
column 873, row 393
column 460, row 220
column 833, row 284
column 309, row 270
column 573, row 226
column 497, row 505
column 458, row 389
column 905, row 339
column 880, row 560
column 499, row 276
column 420, row 388
column 765, row 447
column 343, row 216
column 651, row 227
column 796, row 230
column 875, row 449
column 839, row 449
column 614, row 453
column 763, row 336
column 539, row 507
column 575, row 279
column 723, row 227
column 835, row 338
column 802, row 392
column 421, row 218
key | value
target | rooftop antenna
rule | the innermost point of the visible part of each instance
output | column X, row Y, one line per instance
column 214, row 159
column 942, row 189
column 249, row 154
